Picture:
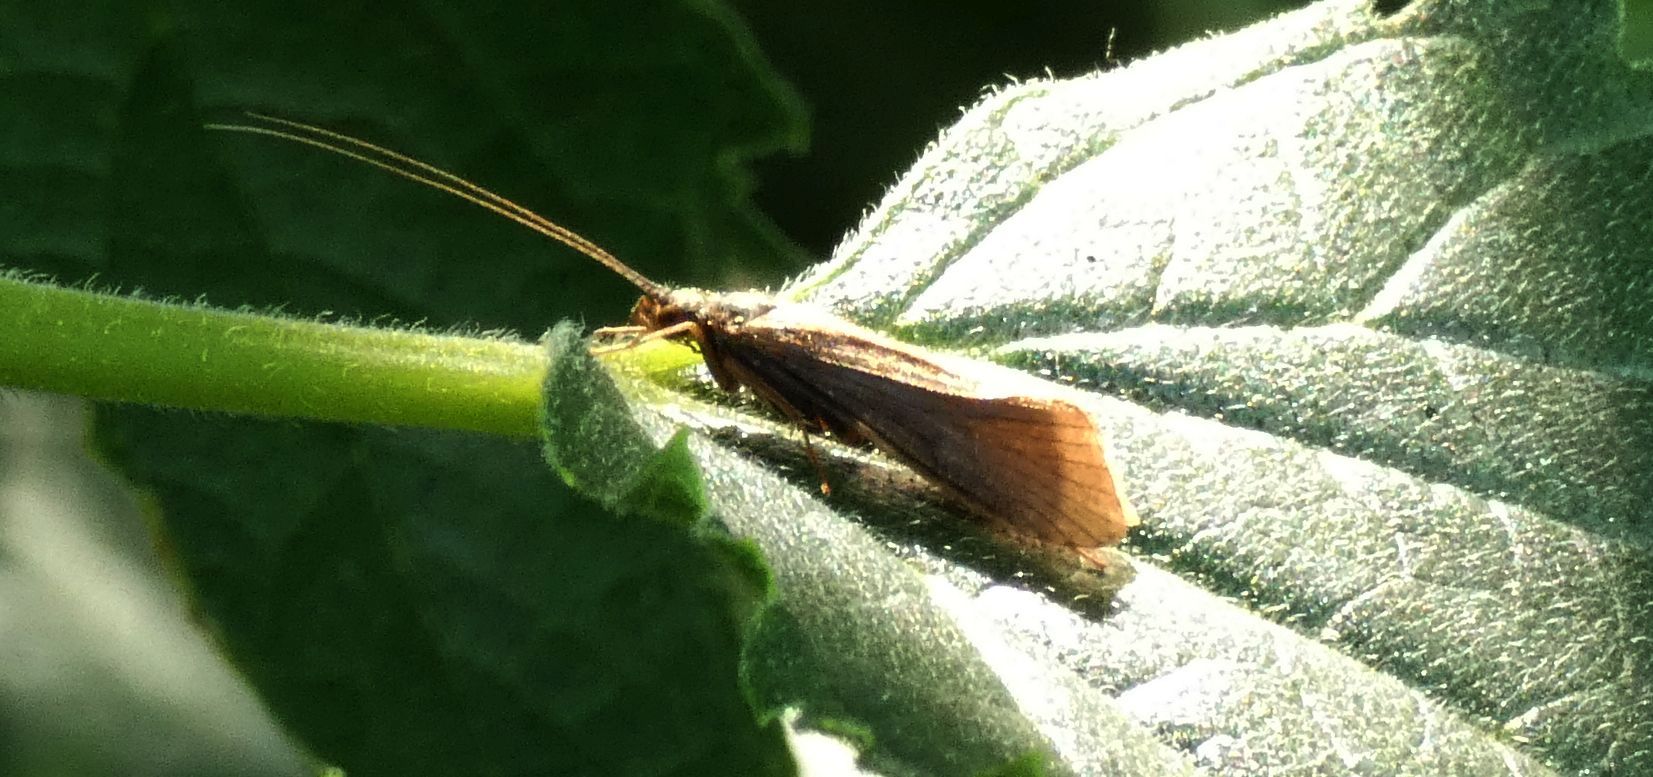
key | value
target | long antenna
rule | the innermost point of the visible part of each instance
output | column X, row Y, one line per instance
column 441, row 180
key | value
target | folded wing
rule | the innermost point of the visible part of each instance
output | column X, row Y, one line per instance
column 1029, row 462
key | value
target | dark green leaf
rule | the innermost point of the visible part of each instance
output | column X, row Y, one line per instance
column 413, row 603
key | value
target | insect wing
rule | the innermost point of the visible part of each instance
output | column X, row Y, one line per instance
column 1006, row 444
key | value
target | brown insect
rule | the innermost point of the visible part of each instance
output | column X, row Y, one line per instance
column 1020, row 452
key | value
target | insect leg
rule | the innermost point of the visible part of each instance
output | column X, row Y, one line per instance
column 610, row 331
column 814, row 460
column 640, row 335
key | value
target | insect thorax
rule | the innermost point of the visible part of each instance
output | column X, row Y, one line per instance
column 716, row 310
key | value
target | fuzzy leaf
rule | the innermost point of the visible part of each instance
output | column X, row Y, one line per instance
column 1367, row 291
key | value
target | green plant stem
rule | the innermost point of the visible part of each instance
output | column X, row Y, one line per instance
column 188, row 356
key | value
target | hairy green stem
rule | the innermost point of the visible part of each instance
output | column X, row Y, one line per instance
column 131, row 350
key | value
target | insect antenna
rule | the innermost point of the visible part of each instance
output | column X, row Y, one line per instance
column 439, row 179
